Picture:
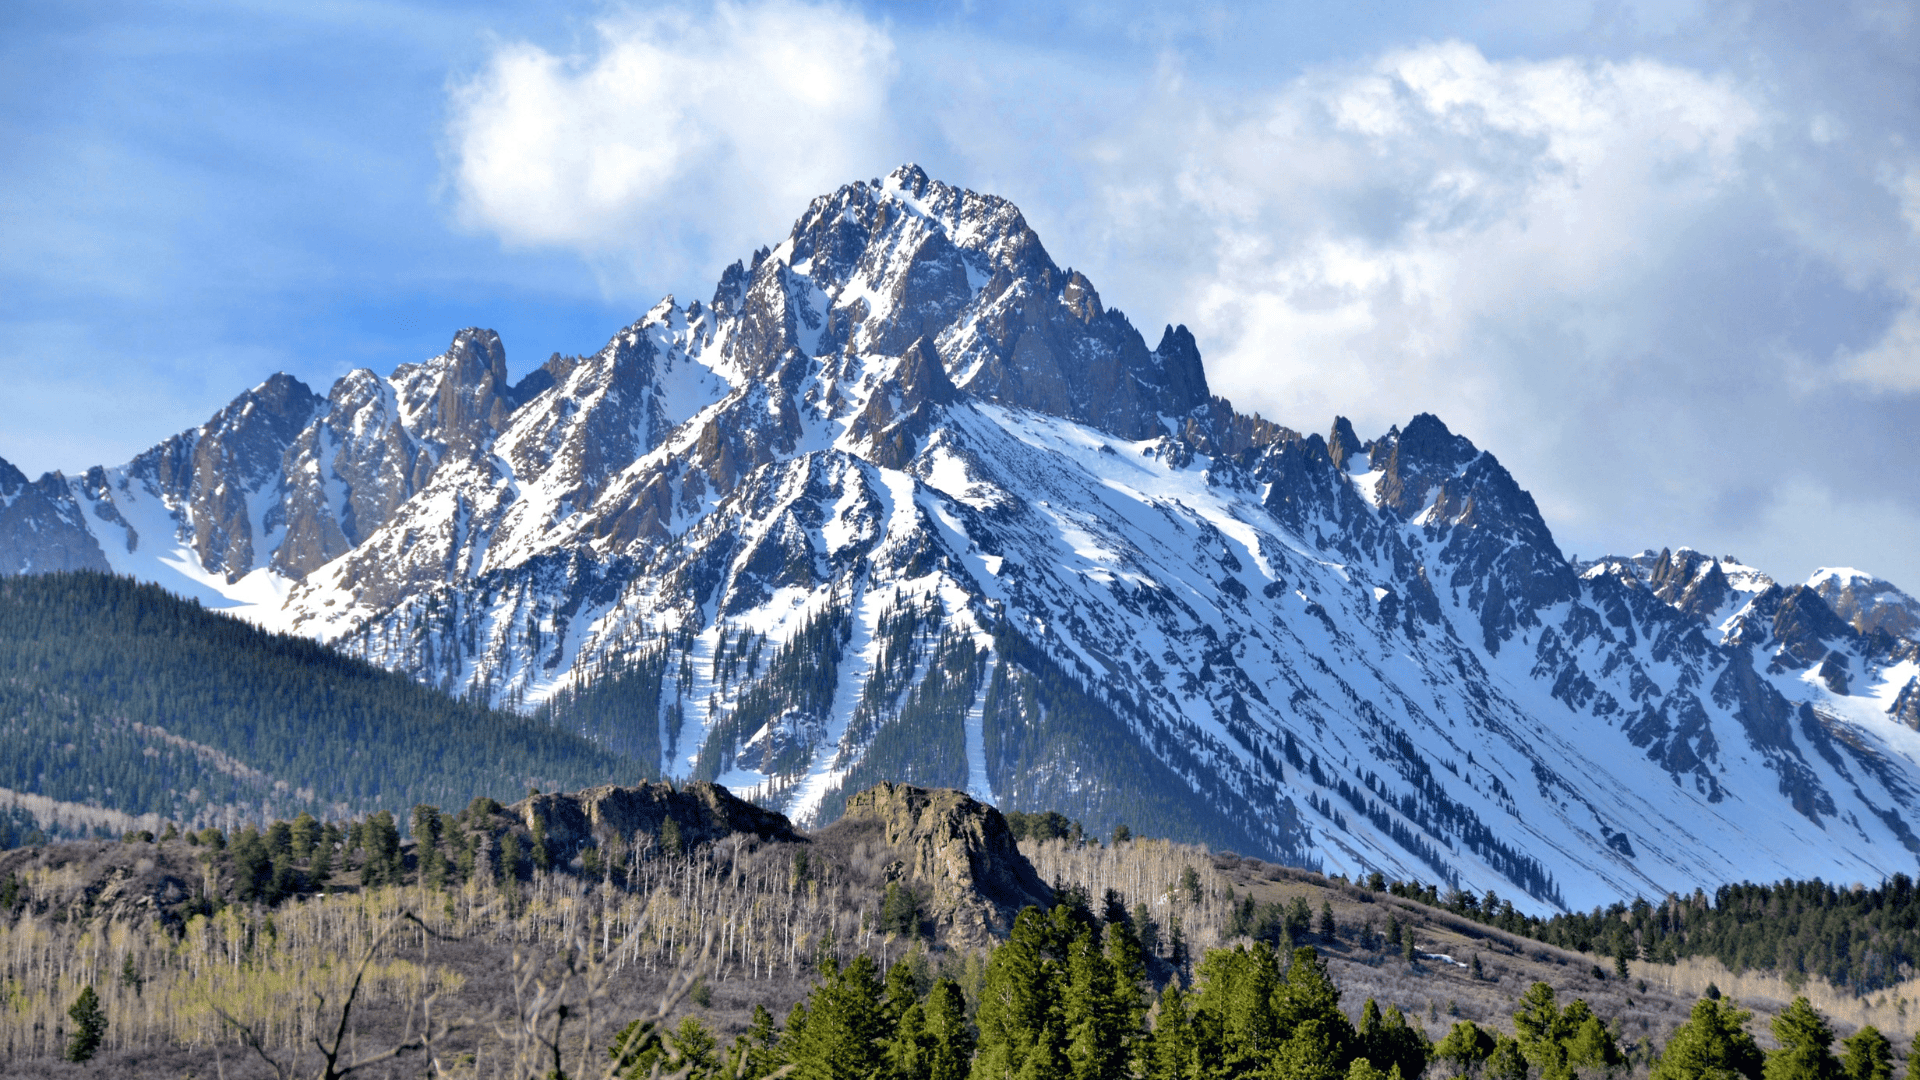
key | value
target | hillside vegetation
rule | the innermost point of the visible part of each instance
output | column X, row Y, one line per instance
column 121, row 696
column 497, row 944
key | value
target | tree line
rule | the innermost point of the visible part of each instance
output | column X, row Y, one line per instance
column 1861, row 938
column 1066, row 997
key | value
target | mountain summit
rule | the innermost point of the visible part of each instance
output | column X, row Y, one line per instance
column 905, row 501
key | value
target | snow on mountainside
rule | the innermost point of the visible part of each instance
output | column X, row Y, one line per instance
column 905, row 501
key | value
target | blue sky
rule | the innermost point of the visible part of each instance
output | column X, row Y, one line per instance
column 1664, row 260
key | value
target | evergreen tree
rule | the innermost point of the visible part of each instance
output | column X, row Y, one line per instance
column 1913, row 1060
column 1506, row 1062
column 901, row 992
column 1094, row 1021
column 1806, row 1042
column 1174, row 1054
column 1128, row 961
column 380, row 838
column 1017, row 1000
column 693, row 1051
column 1392, row 1044
column 1867, row 1056
column 1466, row 1047
column 1313, row 1050
column 305, row 834
column 1592, row 1046
column 1544, row 1031
column 1045, row 1061
column 840, row 1034
column 949, row 1035
column 89, row 1025
column 758, row 1053
column 1363, row 1069
column 1308, row 994
column 320, row 866
column 909, row 1052
column 1235, row 997
column 900, row 911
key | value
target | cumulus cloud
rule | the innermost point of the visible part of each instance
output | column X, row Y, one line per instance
column 680, row 135
column 1650, row 288
column 1385, row 224
column 1677, row 297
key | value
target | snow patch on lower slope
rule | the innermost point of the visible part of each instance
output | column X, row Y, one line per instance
column 150, row 543
column 1260, row 662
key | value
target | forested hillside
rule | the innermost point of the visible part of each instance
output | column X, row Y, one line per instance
column 119, row 695
column 1863, row 939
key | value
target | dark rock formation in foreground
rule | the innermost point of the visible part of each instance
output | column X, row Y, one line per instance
column 953, row 847
column 702, row 812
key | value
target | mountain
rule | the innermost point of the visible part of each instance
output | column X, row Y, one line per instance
column 903, row 500
column 120, row 699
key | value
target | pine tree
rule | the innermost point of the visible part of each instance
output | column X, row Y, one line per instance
column 1868, row 1055
column 1309, row 994
column 1128, row 962
column 1467, row 1046
column 1806, row 1042
column 1592, row 1046
column 89, row 1025
column 1712, row 1045
column 1045, row 1061
column 1173, row 1051
column 1540, row 1029
column 909, row 1051
column 839, row 1036
column 948, row 1033
column 1094, row 1024
column 1392, row 1044
column 1017, row 1000
column 901, row 993
column 1235, row 995
column 1506, row 1062
column 1314, row 1050
column 900, row 911
column 759, row 1047
column 1364, row 1069
column 693, row 1053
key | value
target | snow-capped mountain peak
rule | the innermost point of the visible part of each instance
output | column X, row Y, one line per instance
column 905, row 500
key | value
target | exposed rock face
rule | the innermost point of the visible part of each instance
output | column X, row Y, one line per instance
column 41, row 527
column 1906, row 704
column 381, row 441
column 956, row 847
column 220, row 481
column 703, row 812
column 905, row 500
column 1867, row 603
column 1692, row 582
column 112, row 882
column 955, row 851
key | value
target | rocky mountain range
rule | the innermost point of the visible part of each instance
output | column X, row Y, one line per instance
column 903, row 500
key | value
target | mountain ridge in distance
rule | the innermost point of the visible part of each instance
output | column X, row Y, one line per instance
column 904, row 500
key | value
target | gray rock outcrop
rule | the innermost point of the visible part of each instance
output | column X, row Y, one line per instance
column 956, row 848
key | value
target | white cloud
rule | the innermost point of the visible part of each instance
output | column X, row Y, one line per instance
column 1893, row 362
column 1383, row 227
column 1658, row 291
column 681, row 136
